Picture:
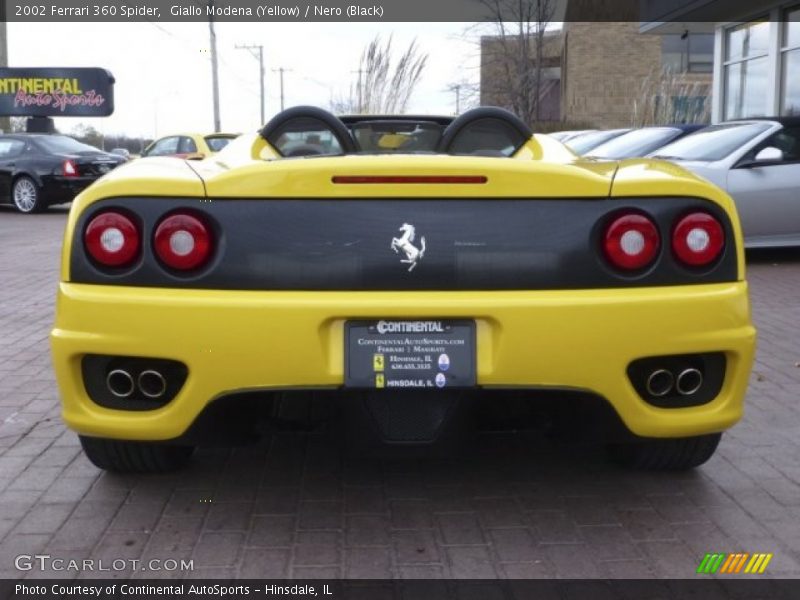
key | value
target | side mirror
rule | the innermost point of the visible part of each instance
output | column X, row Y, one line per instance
column 195, row 156
column 766, row 156
column 769, row 154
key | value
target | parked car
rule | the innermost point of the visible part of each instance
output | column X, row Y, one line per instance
column 583, row 143
column 640, row 142
column 404, row 267
column 563, row 136
column 758, row 162
column 191, row 146
column 37, row 170
column 123, row 152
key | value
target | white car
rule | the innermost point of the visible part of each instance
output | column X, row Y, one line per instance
column 757, row 161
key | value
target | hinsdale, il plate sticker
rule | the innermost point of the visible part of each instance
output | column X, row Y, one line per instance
column 425, row 354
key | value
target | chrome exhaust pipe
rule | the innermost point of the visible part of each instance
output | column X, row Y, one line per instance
column 659, row 383
column 120, row 383
column 152, row 383
column 689, row 381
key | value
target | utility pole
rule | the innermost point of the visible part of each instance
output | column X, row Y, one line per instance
column 281, row 70
column 259, row 56
column 457, row 89
column 5, row 122
column 214, row 74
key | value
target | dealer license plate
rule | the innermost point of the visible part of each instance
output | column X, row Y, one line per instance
column 406, row 354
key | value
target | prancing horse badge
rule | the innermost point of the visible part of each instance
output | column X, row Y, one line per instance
column 406, row 244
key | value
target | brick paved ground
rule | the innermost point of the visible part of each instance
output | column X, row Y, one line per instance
column 514, row 507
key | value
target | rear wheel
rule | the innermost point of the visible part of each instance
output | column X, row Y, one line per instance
column 677, row 454
column 135, row 457
column 26, row 195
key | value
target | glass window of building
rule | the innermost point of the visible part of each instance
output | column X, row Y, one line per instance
column 790, row 63
column 688, row 53
column 746, row 70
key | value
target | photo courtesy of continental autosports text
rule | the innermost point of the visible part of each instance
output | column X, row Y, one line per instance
column 215, row 590
column 420, row 300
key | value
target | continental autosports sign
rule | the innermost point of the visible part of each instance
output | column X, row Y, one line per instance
column 56, row 92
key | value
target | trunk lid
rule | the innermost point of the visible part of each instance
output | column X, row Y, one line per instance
column 315, row 177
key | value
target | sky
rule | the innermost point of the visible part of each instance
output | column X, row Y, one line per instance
column 163, row 70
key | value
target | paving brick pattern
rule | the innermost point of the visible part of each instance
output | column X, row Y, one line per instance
column 514, row 506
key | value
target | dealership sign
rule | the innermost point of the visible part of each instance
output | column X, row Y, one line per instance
column 56, row 92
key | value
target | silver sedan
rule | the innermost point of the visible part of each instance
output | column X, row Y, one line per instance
column 757, row 162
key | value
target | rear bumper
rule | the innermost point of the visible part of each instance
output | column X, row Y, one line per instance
column 57, row 189
column 233, row 341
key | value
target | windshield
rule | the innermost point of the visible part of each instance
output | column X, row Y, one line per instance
column 583, row 143
column 241, row 144
column 61, row 144
column 388, row 137
column 712, row 143
column 635, row 143
column 217, row 143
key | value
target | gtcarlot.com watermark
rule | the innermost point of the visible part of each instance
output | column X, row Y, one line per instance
column 47, row 562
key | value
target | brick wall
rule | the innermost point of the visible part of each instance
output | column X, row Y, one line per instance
column 495, row 79
column 606, row 68
column 607, row 71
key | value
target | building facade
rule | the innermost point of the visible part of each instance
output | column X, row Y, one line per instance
column 607, row 74
column 756, row 52
column 499, row 73
column 615, row 77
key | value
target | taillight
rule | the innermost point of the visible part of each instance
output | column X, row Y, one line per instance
column 698, row 239
column 183, row 242
column 69, row 169
column 631, row 242
column 112, row 239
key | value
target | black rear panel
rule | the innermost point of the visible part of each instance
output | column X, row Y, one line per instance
column 476, row 244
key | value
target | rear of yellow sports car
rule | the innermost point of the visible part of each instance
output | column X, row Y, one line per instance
column 404, row 280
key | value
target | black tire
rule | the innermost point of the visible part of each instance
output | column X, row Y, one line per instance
column 135, row 457
column 678, row 454
column 26, row 195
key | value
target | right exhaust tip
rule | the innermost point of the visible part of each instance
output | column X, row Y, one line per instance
column 689, row 382
column 152, row 383
column 120, row 383
column 659, row 383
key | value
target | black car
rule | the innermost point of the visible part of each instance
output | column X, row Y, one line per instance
column 37, row 170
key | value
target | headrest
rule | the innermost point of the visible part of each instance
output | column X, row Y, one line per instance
column 300, row 119
column 484, row 131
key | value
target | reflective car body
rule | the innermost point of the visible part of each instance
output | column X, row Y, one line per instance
column 640, row 142
column 764, row 187
column 191, row 146
column 38, row 170
column 585, row 142
column 563, row 136
column 497, row 230
column 123, row 152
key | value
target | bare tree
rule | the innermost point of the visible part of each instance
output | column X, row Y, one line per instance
column 17, row 124
column 516, row 52
column 87, row 134
column 382, row 87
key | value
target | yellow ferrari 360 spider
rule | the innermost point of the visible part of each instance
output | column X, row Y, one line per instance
column 407, row 266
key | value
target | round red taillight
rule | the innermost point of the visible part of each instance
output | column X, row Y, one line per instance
column 631, row 242
column 183, row 242
column 112, row 239
column 698, row 239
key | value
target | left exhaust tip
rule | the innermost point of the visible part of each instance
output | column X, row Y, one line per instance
column 120, row 383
